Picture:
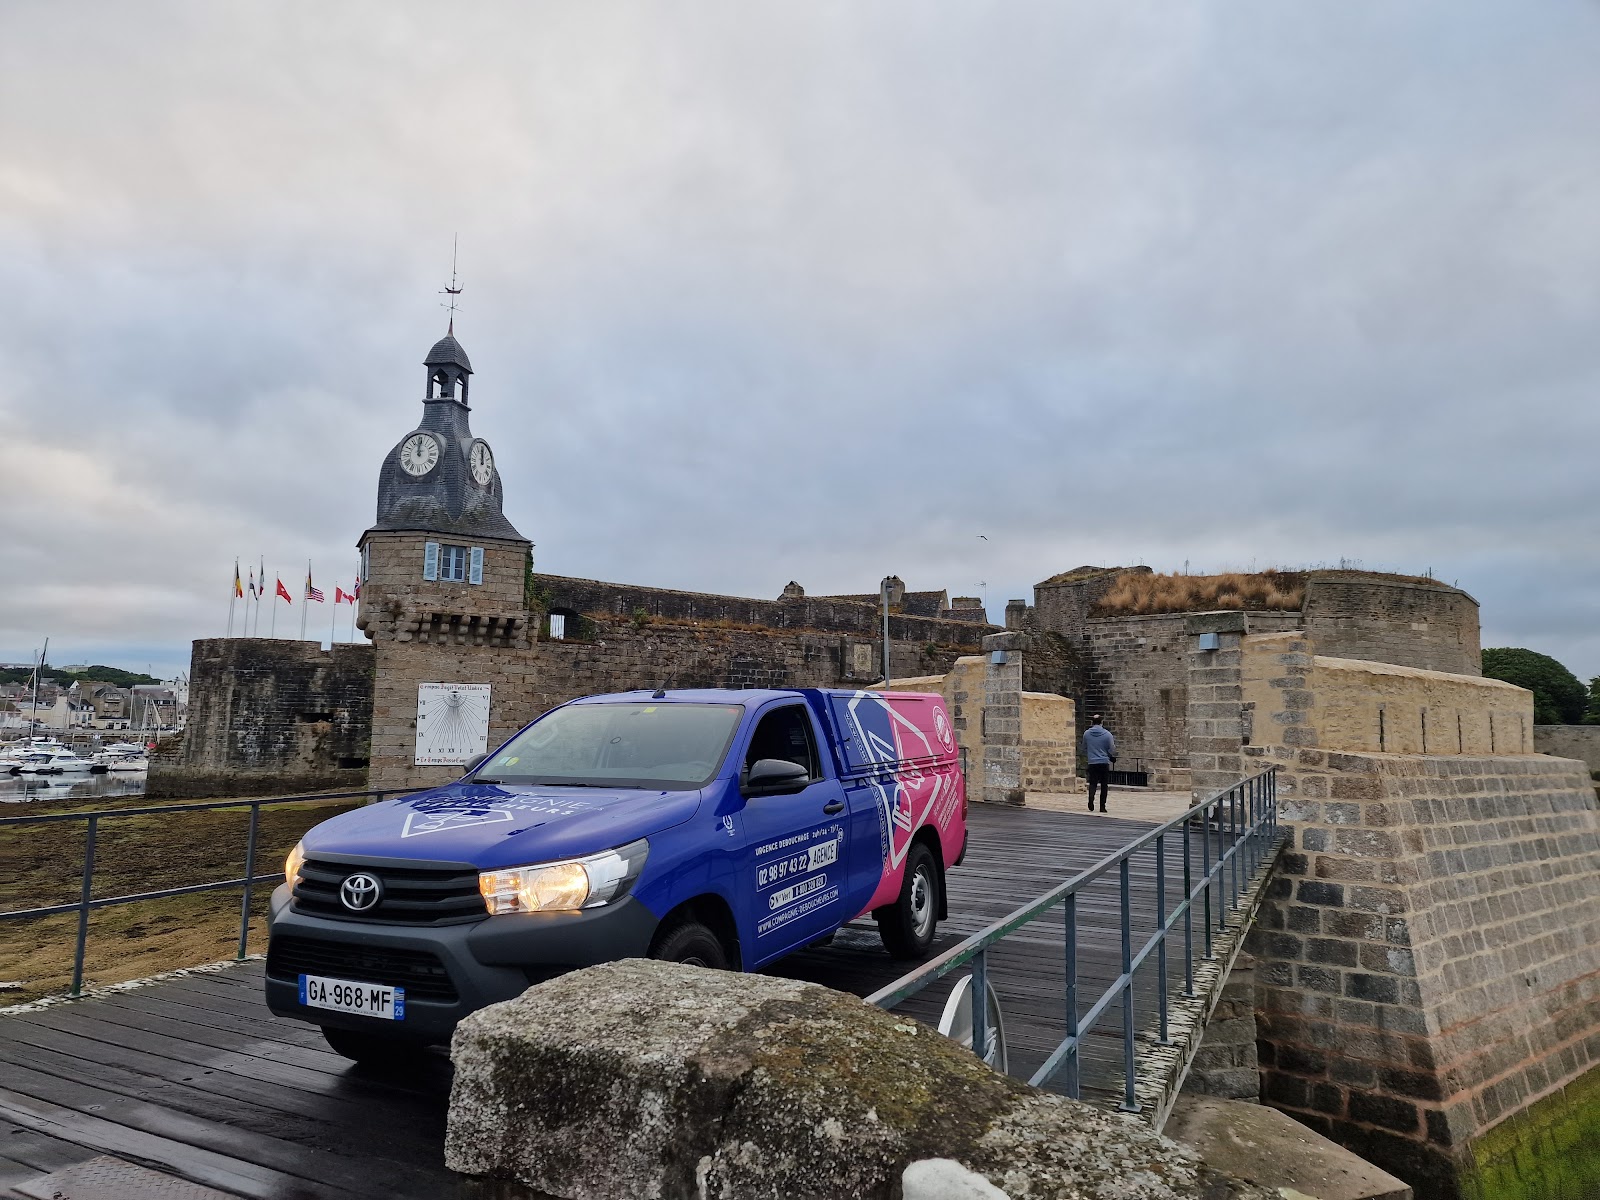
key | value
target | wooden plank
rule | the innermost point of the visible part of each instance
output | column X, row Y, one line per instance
column 307, row 1124
column 238, row 1079
column 335, row 1173
column 174, row 1157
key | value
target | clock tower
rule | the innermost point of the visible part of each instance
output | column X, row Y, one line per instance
column 443, row 574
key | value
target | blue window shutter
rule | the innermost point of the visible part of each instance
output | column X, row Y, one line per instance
column 430, row 560
column 475, row 572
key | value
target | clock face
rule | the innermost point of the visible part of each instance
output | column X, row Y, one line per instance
column 482, row 462
column 418, row 454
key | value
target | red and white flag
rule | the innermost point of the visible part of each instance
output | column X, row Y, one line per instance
column 338, row 594
column 284, row 592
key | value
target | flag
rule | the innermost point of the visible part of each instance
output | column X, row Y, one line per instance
column 356, row 595
column 252, row 588
column 311, row 592
column 283, row 591
column 238, row 586
column 338, row 594
column 262, row 575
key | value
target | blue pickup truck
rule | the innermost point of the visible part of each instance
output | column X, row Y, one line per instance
column 717, row 828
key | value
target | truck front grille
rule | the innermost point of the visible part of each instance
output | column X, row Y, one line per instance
column 421, row 973
column 421, row 895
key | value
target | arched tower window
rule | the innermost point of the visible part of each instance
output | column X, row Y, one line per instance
column 440, row 386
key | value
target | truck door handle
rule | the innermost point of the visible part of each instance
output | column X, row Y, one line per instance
column 833, row 806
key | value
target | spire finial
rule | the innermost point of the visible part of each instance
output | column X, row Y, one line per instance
column 454, row 289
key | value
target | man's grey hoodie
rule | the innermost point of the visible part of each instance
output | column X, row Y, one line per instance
column 1098, row 744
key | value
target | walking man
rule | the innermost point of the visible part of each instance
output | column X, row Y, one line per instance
column 1100, row 751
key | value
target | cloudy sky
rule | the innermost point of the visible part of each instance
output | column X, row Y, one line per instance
column 811, row 291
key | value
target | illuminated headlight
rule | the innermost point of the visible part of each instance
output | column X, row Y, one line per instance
column 573, row 884
column 292, row 864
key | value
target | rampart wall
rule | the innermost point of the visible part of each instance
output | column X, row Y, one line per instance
column 617, row 603
column 1570, row 741
column 1393, row 620
column 1348, row 704
column 268, row 715
column 1429, row 963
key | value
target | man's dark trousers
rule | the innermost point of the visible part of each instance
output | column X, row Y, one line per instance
column 1099, row 773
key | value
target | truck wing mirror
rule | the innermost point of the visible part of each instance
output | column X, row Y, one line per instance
column 474, row 763
column 772, row 775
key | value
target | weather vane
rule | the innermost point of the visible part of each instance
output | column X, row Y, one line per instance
column 454, row 289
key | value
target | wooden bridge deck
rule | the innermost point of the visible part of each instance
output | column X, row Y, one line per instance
column 193, row 1077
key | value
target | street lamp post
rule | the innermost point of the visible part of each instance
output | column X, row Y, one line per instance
column 884, row 587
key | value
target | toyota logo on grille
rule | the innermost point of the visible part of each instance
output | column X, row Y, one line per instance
column 360, row 892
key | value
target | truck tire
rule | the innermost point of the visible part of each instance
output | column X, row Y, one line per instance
column 689, row 942
column 907, row 926
column 369, row 1049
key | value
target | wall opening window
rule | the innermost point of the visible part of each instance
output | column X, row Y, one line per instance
column 558, row 626
column 453, row 563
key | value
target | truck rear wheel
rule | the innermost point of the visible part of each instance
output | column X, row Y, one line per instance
column 907, row 926
column 691, row 943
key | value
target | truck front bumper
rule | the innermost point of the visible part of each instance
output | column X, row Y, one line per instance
column 448, row 971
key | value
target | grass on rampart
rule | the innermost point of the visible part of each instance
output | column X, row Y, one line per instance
column 43, row 864
column 1137, row 593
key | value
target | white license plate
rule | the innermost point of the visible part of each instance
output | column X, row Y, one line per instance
column 348, row 996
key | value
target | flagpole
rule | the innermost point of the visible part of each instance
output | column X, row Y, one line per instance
column 233, row 595
column 273, row 627
column 333, row 622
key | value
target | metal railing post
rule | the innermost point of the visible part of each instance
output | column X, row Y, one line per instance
column 980, row 1004
column 1233, row 837
column 1188, row 919
column 1129, row 1103
column 249, row 881
column 1223, row 862
column 1161, row 933
column 83, row 906
column 1071, row 1065
column 1205, row 870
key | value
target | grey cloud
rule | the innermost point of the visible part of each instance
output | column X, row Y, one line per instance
column 805, row 291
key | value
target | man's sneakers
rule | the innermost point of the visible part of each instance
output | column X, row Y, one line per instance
column 1102, row 808
column 1091, row 802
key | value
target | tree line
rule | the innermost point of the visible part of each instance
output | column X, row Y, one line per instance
column 1559, row 696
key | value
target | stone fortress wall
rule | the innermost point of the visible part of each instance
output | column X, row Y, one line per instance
column 269, row 715
column 1428, row 959
column 1570, row 741
column 1375, row 707
column 1133, row 667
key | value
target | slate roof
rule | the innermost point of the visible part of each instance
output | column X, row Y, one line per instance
column 447, row 352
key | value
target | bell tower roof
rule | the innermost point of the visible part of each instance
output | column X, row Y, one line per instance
column 447, row 352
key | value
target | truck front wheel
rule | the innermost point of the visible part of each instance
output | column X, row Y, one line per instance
column 691, row 943
column 907, row 926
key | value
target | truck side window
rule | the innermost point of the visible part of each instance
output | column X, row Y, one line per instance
column 784, row 733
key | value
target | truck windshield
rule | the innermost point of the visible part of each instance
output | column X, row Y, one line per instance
column 669, row 746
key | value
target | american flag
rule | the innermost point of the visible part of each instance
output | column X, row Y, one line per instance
column 313, row 593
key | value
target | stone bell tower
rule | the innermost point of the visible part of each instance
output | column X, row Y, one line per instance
column 442, row 592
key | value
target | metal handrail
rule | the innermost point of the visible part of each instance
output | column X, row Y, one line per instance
column 1245, row 817
column 248, row 880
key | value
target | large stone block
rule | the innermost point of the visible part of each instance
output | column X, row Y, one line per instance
column 641, row 1079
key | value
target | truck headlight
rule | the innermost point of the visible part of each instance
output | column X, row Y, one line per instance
column 568, row 885
column 292, row 864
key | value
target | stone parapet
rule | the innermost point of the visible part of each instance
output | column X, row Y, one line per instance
column 1429, row 956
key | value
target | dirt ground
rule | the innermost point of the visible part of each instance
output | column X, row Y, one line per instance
column 43, row 865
